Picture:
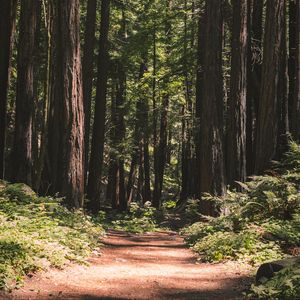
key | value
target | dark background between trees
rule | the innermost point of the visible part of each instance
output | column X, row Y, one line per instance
column 121, row 100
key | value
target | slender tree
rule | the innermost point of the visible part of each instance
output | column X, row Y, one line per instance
column 97, row 144
column 160, row 153
column 88, row 73
column 7, row 25
column 66, row 123
column 294, row 68
column 236, row 136
column 22, row 149
column 267, row 123
column 211, row 107
column 255, row 30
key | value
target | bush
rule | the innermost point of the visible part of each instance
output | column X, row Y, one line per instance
column 284, row 285
column 138, row 219
column 37, row 232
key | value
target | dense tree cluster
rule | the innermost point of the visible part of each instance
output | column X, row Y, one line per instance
column 122, row 100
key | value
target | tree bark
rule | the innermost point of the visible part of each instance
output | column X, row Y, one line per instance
column 236, row 129
column 66, row 122
column 97, row 145
column 88, row 74
column 294, row 69
column 211, row 108
column 7, row 27
column 22, row 148
column 255, row 29
column 267, row 123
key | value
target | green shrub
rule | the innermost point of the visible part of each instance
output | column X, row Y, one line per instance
column 37, row 232
column 284, row 285
column 138, row 219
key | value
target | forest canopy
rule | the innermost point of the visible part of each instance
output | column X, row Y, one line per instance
column 108, row 102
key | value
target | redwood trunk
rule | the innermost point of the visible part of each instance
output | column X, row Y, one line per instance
column 236, row 136
column 7, row 26
column 211, row 108
column 267, row 123
column 66, row 123
column 88, row 74
column 22, row 148
column 97, row 145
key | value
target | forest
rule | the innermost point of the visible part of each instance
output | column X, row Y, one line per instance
column 172, row 125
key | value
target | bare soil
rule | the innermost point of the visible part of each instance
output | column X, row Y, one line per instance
column 149, row 266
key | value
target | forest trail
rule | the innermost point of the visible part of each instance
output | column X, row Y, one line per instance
column 131, row 266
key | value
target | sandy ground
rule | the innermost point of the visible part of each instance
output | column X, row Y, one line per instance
column 148, row 266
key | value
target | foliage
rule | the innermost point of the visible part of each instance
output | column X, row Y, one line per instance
column 37, row 232
column 137, row 219
column 284, row 285
column 267, row 210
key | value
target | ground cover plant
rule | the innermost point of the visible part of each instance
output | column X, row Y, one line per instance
column 259, row 223
column 38, row 232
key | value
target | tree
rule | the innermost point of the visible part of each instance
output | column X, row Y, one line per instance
column 7, row 26
column 88, row 73
column 97, row 144
column 160, row 151
column 294, row 68
column 22, row 149
column 236, row 136
column 255, row 30
column 211, row 107
column 267, row 123
column 66, row 123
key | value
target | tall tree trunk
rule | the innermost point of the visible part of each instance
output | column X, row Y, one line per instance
column 140, row 154
column 117, row 180
column 66, row 122
column 294, row 68
column 160, row 152
column 22, row 149
column 267, row 123
column 283, row 120
column 88, row 74
column 255, row 29
column 97, row 145
column 199, row 97
column 7, row 26
column 41, row 163
column 211, row 111
column 236, row 135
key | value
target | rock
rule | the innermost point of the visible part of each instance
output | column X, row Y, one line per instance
column 268, row 270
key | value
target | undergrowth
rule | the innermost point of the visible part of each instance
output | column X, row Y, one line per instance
column 137, row 219
column 38, row 232
column 258, row 224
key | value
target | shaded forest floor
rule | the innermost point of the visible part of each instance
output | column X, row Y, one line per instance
column 140, row 266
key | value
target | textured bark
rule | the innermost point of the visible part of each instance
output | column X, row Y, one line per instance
column 267, row 123
column 255, row 28
column 7, row 26
column 97, row 144
column 66, row 122
column 88, row 73
column 211, row 108
column 282, row 109
column 22, row 148
column 294, row 70
column 236, row 135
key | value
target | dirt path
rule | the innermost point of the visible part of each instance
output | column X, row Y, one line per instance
column 149, row 266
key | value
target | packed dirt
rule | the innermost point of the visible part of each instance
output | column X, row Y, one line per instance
column 130, row 266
